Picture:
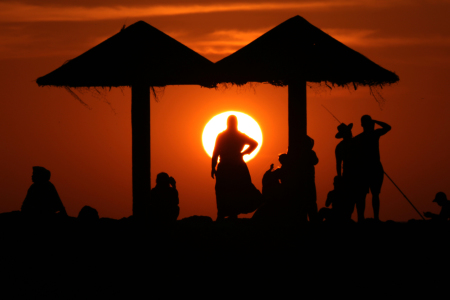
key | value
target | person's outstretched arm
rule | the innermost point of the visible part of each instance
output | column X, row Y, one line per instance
column 385, row 128
column 252, row 144
column 431, row 215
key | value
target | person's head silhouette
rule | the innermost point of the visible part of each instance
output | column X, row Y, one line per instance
column 367, row 123
column 162, row 179
column 440, row 198
column 337, row 182
column 283, row 158
column 232, row 123
column 309, row 142
column 40, row 174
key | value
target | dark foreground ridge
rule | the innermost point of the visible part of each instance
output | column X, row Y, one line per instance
column 74, row 256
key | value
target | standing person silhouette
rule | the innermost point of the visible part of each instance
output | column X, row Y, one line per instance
column 346, row 167
column 233, row 182
column 371, row 170
column 308, row 184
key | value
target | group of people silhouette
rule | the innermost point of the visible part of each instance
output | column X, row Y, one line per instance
column 42, row 201
column 359, row 170
column 288, row 193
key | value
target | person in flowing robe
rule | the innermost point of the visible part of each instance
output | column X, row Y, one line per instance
column 235, row 193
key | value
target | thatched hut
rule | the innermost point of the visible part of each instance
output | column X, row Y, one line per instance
column 139, row 56
column 293, row 53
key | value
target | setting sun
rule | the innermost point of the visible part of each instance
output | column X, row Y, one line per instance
column 217, row 124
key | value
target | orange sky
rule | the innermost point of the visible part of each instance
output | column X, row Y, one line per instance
column 88, row 150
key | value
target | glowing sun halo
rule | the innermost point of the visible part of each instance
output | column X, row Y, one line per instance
column 217, row 124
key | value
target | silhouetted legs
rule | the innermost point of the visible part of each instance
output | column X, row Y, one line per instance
column 360, row 207
column 375, row 183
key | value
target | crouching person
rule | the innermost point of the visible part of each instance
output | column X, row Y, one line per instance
column 163, row 205
column 341, row 207
column 42, row 200
column 444, row 215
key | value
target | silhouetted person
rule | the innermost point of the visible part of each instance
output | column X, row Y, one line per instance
column 340, row 205
column 88, row 214
column 370, row 169
column 271, row 186
column 308, row 184
column 444, row 215
column 282, row 173
column 272, row 191
column 343, row 152
column 346, row 159
column 163, row 205
column 42, row 199
column 235, row 192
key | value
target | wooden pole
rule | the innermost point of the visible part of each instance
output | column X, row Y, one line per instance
column 297, row 190
column 140, row 131
column 296, row 113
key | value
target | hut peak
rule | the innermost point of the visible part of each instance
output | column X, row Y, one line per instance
column 296, row 49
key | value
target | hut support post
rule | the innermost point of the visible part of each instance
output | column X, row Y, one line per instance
column 140, row 127
column 296, row 113
column 297, row 133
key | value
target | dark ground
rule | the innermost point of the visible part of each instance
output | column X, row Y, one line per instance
column 234, row 258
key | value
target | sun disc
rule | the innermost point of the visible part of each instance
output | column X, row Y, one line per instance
column 218, row 123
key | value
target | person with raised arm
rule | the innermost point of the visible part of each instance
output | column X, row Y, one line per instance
column 370, row 169
column 235, row 192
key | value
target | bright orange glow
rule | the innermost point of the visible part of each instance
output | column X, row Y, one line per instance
column 246, row 124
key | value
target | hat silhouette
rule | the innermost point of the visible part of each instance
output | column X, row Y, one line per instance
column 342, row 128
column 440, row 196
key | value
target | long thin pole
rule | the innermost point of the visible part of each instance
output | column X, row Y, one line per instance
column 385, row 174
column 140, row 127
column 404, row 195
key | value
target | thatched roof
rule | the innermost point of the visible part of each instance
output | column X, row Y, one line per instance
column 295, row 49
column 138, row 54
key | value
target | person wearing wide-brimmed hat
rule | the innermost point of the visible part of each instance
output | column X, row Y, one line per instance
column 343, row 149
column 345, row 165
column 441, row 200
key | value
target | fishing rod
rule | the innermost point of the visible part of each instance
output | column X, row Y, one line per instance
column 384, row 173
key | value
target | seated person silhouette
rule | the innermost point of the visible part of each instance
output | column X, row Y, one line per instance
column 42, row 199
column 163, row 205
column 281, row 173
column 272, row 192
column 441, row 200
column 341, row 208
column 271, row 186
column 235, row 193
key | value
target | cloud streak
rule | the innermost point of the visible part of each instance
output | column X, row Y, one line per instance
column 21, row 12
column 369, row 38
column 225, row 42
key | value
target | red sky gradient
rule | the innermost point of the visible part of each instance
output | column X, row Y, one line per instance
column 88, row 150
